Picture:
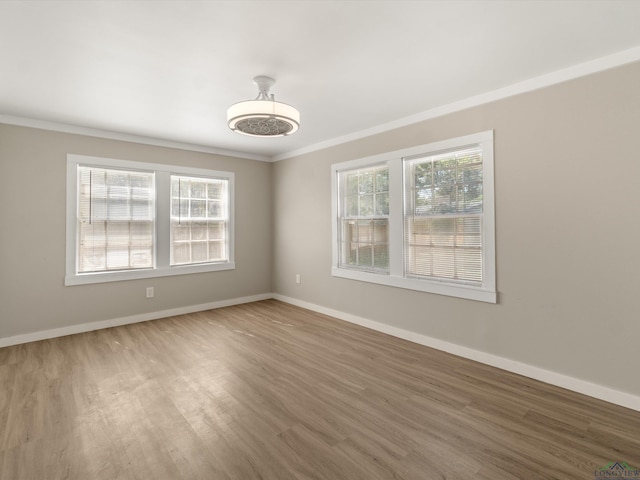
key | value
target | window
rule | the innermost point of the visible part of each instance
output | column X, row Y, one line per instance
column 420, row 218
column 128, row 220
column 115, row 219
column 443, row 213
column 364, row 213
column 198, row 220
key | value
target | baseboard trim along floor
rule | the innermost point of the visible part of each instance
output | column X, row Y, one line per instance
column 559, row 380
column 570, row 383
column 116, row 322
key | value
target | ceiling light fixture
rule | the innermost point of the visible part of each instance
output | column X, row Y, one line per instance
column 263, row 117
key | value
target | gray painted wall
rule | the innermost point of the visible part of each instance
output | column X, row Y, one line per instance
column 568, row 263
column 32, row 242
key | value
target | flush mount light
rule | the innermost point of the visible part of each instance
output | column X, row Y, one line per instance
column 263, row 117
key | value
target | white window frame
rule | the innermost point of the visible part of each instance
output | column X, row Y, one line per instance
column 162, row 267
column 396, row 277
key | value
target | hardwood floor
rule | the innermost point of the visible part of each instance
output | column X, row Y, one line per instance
column 271, row 391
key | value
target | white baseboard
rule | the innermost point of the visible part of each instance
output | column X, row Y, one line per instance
column 570, row 383
column 115, row 322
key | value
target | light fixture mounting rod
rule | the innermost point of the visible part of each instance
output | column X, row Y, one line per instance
column 264, row 84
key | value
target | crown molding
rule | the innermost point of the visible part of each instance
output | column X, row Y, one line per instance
column 608, row 62
column 559, row 76
column 95, row 132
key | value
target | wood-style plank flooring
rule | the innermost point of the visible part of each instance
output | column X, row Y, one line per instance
column 271, row 391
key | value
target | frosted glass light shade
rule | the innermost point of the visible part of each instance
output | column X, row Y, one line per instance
column 263, row 118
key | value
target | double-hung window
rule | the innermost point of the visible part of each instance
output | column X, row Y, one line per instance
column 364, row 218
column 115, row 219
column 128, row 220
column 199, row 219
column 443, row 212
column 420, row 218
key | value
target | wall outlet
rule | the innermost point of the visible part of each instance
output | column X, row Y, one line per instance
column 149, row 292
column 297, row 278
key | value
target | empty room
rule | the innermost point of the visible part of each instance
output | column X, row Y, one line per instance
column 319, row 240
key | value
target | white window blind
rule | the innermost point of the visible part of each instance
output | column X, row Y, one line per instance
column 115, row 219
column 199, row 220
column 443, row 216
column 364, row 218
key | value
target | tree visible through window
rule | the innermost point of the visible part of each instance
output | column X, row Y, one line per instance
column 420, row 218
column 443, row 214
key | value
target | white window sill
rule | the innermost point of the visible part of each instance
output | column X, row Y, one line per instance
column 118, row 276
column 469, row 292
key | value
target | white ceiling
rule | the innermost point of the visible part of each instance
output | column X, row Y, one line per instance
column 170, row 69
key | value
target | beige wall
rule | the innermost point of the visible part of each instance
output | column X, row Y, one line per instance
column 567, row 175
column 32, row 242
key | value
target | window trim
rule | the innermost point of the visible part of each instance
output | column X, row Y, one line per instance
column 396, row 276
column 161, row 267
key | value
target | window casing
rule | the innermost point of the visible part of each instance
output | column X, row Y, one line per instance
column 125, row 222
column 440, row 233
